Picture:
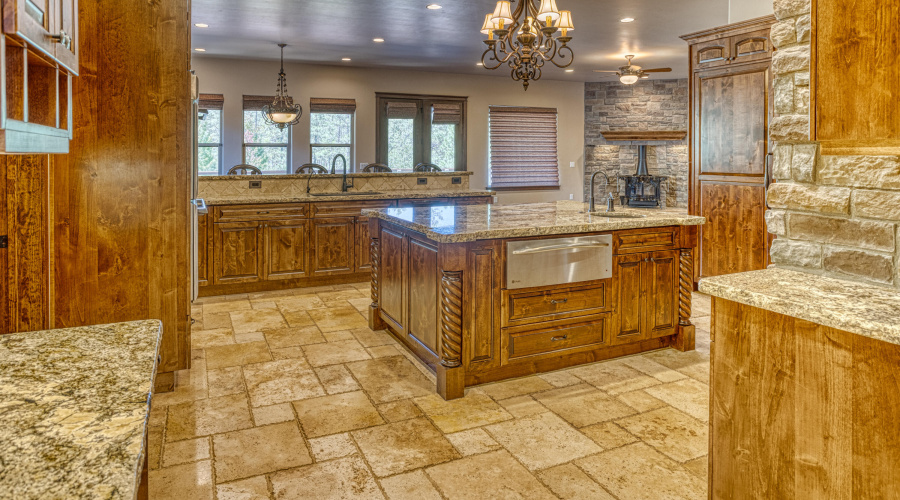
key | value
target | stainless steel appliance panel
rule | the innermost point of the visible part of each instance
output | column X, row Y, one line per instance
column 557, row 261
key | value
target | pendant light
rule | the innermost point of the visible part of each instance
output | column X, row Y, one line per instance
column 282, row 112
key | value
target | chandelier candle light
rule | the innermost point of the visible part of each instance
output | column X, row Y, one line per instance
column 282, row 112
column 533, row 42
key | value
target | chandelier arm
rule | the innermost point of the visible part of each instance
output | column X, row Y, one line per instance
column 561, row 55
column 493, row 53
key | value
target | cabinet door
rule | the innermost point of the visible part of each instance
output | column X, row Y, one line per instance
column 65, row 17
column 332, row 246
column 712, row 54
column 286, row 249
column 661, row 295
column 238, row 252
column 363, row 248
column 32, row 20
column 630, row 304
column 754, row 46
column 202, row 249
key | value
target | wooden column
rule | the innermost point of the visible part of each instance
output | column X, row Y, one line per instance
column 450, row 371
column 375, row 321
column 684, row 339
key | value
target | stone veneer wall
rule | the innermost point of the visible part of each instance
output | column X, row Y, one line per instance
column 833, row 215
column 646, row 105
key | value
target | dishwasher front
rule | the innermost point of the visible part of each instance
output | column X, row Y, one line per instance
column 556, row 261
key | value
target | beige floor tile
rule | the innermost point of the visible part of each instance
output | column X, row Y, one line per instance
column 699, row 467
column 337, row 413
column 608, row 435
column 225, row 381
column 338, row 336
column 295, row 352
column 647, row 366
column 542, row 441
column 243, row 338
column 361, row 304
column 333, row 446
column 346, row 294
column 571, row 483
column 226, row 307
column 281, row 381
column 702, row 323
column 687, row 395
column 403, row 446
column 494, row 475
column 391, row 379
column 399, row 410
column 338, row 318
column 256, row 320
column 384, row 351
column 583, row 405
column 701, row 305
column 157, row 416
column 523, row 406
column 271, row 294
column 515, row 387
column 259, row 450
column 371, row 338
column 333, row 353
column 694, row 364
column 299, row 302
column 410, row 486
column 560, row 378
column 671, row 432
column 182, row 452
column 201, row 339
column 236, row 355
column 472, row 442
column 216, row 321
column 208, row 416
column 613, row 377
column 342, row 479
column 638, row 472
column 336, row 379
column 298, row 319
column 263, row 304
column 265, row 415
column 473, row 410
column 640, row 401
column 155, row 436
column 192, row 481
column 252, row 488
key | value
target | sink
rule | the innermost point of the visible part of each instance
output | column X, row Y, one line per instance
column 618, row 215
column 349, row 193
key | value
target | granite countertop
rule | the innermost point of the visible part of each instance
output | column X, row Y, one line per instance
column 483, row 222
column 357, row 175
column 74, row 404
column 867, row 310
column 386, row 195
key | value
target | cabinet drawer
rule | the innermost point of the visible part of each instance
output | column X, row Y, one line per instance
column 348, row 208
column 545, row 305
column 556, row 338
column 263, row 211
column 643, row 240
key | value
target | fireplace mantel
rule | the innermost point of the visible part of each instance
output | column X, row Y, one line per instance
column 644, row 135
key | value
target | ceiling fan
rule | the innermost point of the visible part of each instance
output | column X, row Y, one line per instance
column 631, row 73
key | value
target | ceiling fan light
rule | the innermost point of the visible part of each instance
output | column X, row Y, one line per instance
column 548, row 12
column 628, row 79
column 502, row 14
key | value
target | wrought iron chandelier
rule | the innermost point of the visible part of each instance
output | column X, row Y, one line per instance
column 282, row 112
column 524, row 38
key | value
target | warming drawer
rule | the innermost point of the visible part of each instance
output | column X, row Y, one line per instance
column 546, row 262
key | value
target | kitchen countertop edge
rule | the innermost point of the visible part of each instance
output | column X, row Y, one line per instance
column 396, row 195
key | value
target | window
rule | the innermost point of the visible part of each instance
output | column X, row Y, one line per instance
column 266, row 147
column 413, row 129
column 331, row 130
column 209, row 134
column 523, row 148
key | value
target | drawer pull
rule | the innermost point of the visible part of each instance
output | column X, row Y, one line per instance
column 559, row 301
column 261, row 213
column 557, row 339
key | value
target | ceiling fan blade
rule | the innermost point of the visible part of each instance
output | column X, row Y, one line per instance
column 605, row 71
column 657, row 70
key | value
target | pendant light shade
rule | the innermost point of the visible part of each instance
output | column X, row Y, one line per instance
column 548, row 12
column 502, row 14
column 282, row 112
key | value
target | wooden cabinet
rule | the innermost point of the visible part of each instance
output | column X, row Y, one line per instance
column 50, row 26
column 363, row 245
column 238, row 255
column 285, row 249
column 647, row 291
column 203, row 248
column 731, row 105
column 332, row 246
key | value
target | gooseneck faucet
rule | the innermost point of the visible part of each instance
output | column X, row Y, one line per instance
column 344, row 184
column 593, row 208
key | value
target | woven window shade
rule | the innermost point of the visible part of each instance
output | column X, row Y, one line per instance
column 256, row 102
column 447, row 114
column 323, row 105
column 211, row 101
column 523, row 147
column 402, row 110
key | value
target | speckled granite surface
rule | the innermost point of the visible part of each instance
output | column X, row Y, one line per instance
column 479, row 222
column 858, row 308
column 387, row 195
column 73, row 405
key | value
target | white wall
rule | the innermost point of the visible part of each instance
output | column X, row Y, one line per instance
column 742, row 10
column 234, row 78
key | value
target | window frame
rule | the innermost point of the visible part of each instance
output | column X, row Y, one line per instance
column 351, row 146
column 220, row 107
column 421, row 129
column 288, row 146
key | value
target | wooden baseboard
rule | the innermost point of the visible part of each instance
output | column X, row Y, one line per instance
column 268, row 286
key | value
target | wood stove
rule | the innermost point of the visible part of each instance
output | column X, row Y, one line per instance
column 642, row 189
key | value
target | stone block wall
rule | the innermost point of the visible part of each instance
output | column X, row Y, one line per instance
column 832, row 215
column 646, row 105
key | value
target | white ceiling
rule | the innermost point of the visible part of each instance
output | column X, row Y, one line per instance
column 449, row 39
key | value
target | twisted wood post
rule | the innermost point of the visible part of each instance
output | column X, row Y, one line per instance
column 374, row 251
column 451, row 318
column 685, row 287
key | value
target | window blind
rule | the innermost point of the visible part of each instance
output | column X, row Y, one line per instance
column 446, row 113
column 402, row 110
column 523, row 145
column 211, row 101
column 256, row 102
column 325, row 105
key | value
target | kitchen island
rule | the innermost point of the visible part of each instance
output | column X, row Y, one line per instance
column 485, row 293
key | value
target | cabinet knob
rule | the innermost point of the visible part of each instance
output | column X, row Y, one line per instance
column 559, row 301
column 63, row 39
column 557, row 339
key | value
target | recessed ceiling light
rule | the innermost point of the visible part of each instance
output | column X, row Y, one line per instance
column 378, row 40
column 479, row 64
column 433, row 6
column 346, row 59
column 201, row 25
column 570, row 71
column 200, row 50
column 627, row 20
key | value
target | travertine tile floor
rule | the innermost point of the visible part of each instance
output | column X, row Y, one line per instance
column 292, row 396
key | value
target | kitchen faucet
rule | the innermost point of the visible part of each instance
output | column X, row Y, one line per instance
column 609, row 200
column 344, row 184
